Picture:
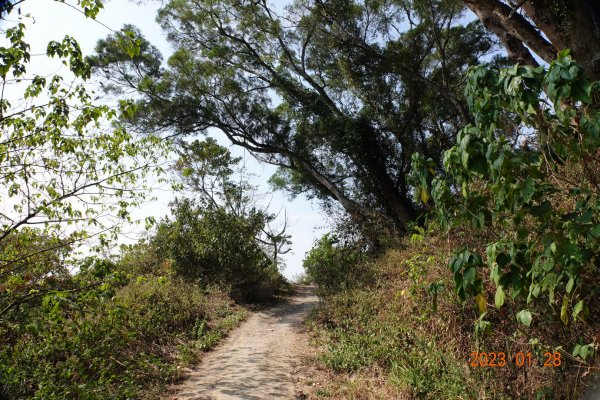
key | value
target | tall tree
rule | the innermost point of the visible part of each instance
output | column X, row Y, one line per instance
column 69, row 171
column 545, row 28
column 338, row 94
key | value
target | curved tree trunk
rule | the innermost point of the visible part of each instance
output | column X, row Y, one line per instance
column 547, row 27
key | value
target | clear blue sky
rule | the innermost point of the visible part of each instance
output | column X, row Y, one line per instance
column 52, row 20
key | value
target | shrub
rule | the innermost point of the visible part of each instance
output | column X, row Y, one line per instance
column 212, row 246
column 406, row 336
column 334, row 267
column 116, row 340
column 539, row 200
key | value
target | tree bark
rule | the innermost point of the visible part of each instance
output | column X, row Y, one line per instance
column 553, row 26
column 499, row 18
column 574, row 25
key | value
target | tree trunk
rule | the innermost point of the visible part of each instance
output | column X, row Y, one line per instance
column 359, row 213
column 573, row 24
column 372, row 158
column 553, row 25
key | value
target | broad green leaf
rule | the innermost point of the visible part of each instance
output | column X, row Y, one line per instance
column 527, row 191
column 570, row 284
column 524, row 317
column 577, row 309
column 495, row 274
column 499, row 298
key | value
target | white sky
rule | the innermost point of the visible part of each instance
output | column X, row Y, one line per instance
column 52, row 21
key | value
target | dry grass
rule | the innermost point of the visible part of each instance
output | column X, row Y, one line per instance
column 402, row 343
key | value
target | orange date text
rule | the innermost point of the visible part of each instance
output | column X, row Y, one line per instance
column 494, row 359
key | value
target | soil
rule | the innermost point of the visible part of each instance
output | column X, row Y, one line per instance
column 264, row 358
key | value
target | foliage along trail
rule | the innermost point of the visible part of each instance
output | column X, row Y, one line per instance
column 260, row 360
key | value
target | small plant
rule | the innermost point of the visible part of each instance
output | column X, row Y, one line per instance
column 200, row 328
column 435, row 288
column 585, row 351
column 208, row 340
column 424, row 370
column 322, row 393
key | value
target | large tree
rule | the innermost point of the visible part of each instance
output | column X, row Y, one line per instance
column 545, row 28
column 339, row 94
column 69, row 171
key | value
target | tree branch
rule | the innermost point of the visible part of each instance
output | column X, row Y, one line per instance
column 513, row 30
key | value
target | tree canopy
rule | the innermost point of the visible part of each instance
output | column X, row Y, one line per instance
column 69, row 170
column 338, row 94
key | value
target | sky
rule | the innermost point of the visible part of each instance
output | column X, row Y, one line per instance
column 51, row 20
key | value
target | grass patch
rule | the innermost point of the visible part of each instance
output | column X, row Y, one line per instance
column 406, row 335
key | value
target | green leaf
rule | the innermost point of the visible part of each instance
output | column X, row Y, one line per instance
column 563, row 311
column 577, row 309
column 570, row 284
column 502, row 259
column 524, row 317
column 469, row 275
column 495, row 274
column 527, row 190
column 499, row 298
column 595, row 231
column 549, row 284
column 584, row 351
column 465, row 159
column 482, row 327
column 541, row 210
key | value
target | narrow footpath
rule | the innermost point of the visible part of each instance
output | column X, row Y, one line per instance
column 261, row 359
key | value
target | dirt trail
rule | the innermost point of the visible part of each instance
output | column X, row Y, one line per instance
column 259, row 360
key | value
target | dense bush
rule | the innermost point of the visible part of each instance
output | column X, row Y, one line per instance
column 335, row 267
column 71, row 172
column 407, row 335
column 382, row 328
column 538, row 201
column 212, row 246
column 115, row 339
column 519, row 193
column 119, row 327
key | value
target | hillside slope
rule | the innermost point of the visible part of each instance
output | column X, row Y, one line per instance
column 405, row 334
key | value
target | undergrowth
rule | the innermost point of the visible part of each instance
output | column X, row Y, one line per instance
column 407, row 335
column 123, row 340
